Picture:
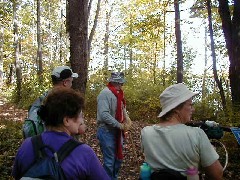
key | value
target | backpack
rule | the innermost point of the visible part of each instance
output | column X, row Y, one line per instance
column 168, row 174
column 33, row 125
column 214, row 132
column 45, row 167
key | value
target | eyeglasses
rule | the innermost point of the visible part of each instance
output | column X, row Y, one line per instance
column 121, row 84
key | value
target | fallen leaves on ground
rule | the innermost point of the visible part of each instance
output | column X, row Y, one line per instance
column 132, row 150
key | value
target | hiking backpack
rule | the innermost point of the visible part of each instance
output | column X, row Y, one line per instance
column 33, row 125
column 45, row 167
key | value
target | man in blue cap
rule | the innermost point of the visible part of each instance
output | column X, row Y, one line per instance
column 112, row 120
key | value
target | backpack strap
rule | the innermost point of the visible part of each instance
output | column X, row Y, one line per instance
column 62, row 153
column 43, row 96
column 38, row 146
column 67, row 148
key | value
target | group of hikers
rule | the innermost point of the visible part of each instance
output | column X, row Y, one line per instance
column 169, row 146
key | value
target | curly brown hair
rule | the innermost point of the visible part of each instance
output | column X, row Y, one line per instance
column 60, row 103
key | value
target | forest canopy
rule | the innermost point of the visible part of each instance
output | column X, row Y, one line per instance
column 136, row 37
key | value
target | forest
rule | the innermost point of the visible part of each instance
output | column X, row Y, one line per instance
column 155, row 43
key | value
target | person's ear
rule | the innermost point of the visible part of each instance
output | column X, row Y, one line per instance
column 176, row 110
column 64, row 83
column 66, row 121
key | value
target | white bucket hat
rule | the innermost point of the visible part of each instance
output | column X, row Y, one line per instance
column 174, row 95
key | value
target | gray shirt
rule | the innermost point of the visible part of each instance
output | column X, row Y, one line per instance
column 106, row 109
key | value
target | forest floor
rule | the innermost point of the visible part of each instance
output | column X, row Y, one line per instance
column 133, row 157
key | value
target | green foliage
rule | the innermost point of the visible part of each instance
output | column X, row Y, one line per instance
column 142, row 92
column 31, row 90
column 11, row 138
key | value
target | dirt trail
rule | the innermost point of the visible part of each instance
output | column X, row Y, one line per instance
column 9, row 111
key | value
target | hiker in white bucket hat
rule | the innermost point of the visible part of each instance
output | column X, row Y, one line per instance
column 172, row 145
column 173, row 96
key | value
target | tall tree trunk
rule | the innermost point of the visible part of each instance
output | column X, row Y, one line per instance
column 106, row 46
column 178, row 42
column 61, row 36
column 203, row 106
column 106, row 43
column 17, row 63
column 10, row 74
column 78, row 35
column 39, row 51
column 94, row 24
column 165, row 4
column 205, row 67
column 1, row 56
column 231, row 30
column 219, row 83
column 93, row 27
column 130, row 47
column 155, row 63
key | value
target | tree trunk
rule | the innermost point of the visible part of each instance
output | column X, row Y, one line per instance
column 94, row 25
column 219, row 83
column 231, row 30
column 78, row 35
column 165, row 4
column 17, row 63
column 39, row 51
column 155, row 63
column 61, row 37
column 1, row 56
column 106, row 43
column 178, row 42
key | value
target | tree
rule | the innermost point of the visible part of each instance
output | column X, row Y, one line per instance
column 94, row 24
column 179, row 42
column 78, row 35
column 141, row 35
column 219, row 83
column 1, row 56
column 17, row 62
column 106, row 40
column 231, row 30
column 39, row 51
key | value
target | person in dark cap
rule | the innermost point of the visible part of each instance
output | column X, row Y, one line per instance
column 172, row 145
column 112, row 120
column 62, row 77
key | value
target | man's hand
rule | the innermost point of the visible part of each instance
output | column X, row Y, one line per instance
column 126, row 125
column 129, row 122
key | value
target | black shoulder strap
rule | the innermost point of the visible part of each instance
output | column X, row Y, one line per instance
column 37, row 146
column 62, row 153
column 67, row 148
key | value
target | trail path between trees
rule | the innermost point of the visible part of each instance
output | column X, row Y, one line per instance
column 133, row 156
column 9, row 111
